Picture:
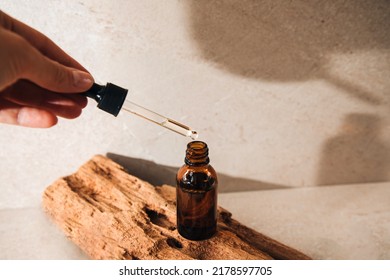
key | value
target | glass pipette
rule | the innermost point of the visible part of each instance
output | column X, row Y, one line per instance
column 159, row 119
column 112, row 98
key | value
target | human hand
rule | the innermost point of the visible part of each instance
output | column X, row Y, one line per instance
column 37, row 79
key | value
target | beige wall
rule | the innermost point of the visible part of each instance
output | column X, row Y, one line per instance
column 285, row 94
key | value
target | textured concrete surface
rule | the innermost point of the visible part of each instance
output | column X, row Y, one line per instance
column 287, row 95
column 330, row 222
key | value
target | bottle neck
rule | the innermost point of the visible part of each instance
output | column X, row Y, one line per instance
column 197, row 154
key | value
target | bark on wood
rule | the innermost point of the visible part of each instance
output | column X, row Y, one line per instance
column 111, row 214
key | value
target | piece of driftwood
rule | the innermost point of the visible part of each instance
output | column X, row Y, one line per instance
column 111, row 214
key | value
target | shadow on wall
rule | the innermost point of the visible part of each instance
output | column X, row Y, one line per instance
column 293, row 41
column 357, row 154
column 289, row 40
column 158, row 175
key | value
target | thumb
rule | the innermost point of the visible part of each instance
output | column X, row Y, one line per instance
column 53, row 76
column 26, row 62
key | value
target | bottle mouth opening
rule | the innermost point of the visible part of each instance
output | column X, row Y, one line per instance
column 197, row 153
column 197, row 145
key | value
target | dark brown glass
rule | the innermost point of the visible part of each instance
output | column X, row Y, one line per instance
column 196, row 194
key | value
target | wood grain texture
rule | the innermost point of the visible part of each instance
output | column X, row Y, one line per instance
column 111, row 214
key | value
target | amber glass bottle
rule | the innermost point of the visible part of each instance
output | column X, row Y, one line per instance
column 196, row 194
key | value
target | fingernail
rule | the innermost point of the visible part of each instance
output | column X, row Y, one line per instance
column 82, row 79
column 23, row 118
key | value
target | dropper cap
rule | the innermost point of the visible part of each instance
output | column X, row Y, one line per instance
column 110, row 98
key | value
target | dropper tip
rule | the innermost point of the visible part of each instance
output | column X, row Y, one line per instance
column 194, row 135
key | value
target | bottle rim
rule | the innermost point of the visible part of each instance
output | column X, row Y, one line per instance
column 197, row 153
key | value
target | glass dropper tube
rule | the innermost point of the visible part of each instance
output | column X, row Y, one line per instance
column 112, row 99
column 159, row 119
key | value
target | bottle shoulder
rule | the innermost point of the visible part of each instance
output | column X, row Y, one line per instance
column 197, row 177
column 208, row 169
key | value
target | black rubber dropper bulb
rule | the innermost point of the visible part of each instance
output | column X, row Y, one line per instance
column 110, row 98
